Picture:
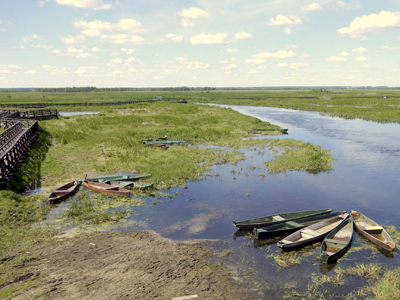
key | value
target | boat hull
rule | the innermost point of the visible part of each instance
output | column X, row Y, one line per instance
column 313, row 233
column 130, row 177
column 64, row 192
column 286, row 228
column 106, row 188
column 382, row 239
column 336, row 243
column 277, row 219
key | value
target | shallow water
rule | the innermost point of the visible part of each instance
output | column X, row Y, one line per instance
column 365, row 178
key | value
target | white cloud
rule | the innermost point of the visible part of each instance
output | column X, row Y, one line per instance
column 96, row 27
column 311, row 7
column 252, row 71
column 389, row 48
column 193, row 13
column 91, row 4
column 361, row 58
column 336, row 58
column 79, row 39
column 186, row 23
column 89, row 70
column 288, row 21
column 277, row 55
column 127, row 51
column 174, row 38
column 284, row 20
column 243, row 35
column 356, row 4
column 228, row 51
column 231, row 67
column 26, row 39
column 344, row 53
column 6, row 69
column 114, row 73
column 30, row 72
column 360, row 50
column 298, row 65
column 124, row 39
column 197, row 65
column 282, row 65
column 96, row 49
column 160, row 54
column 288, row 47
column 372, row 24
column 181, row 59
column 54, row 70
column 210, row 39
column 43, row 46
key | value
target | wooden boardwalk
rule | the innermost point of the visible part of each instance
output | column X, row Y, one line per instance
column 21, row 129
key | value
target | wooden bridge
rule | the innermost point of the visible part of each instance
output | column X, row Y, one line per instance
column 21, row 129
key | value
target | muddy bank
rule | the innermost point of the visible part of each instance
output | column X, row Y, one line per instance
column 138, row 265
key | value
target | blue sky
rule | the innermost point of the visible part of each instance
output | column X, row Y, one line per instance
column 108, row 43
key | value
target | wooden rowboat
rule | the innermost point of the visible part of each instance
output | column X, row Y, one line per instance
column 372, row 231
column 269, row 129
column 277, row 218
column 127, row 184
column 337, row 241
column 155, row 139
column 130, row 177
column 64, row 191
column 312, row 233
column 288, row 227
column 106, row 188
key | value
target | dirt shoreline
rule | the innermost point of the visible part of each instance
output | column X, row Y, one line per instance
column 136, row 265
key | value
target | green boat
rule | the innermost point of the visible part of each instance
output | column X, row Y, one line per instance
column 269, row 129
column 127, row 184
column 130, row 177
column 337, row 241
column 285, row 228
column 164, row 142
column 277, row 218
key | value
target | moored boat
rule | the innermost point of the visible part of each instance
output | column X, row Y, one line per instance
column 288, row 227
column 130, row 177
column 155, row 139
column 277, row 218
column 313, row 233
column 127, row 184
column 164, row 142
column 337, row 241
column 269, row 129
column 106, row 188
column 64, row 191
column 372, row 231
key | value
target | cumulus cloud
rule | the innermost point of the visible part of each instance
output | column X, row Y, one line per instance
column 228, row 51
column 189, row 14
column 372, row 24
column 344, row 53
column 193, row 13
column 210, row 39
column 124, row 39
column 85, row 71
column 311, row 7
column 96, row 27
column 243, row 35
column 288, row 21
column 79, row 39
column 360, row 50
column 291, row 47
column 336, row 58
column 389, row 48
column 174, row 38
column 96, row 49
column 262, row 57
column 361, row 58
column 27, row 39
column 30, row 72
column 89, row 4
column 54, row 70
column 9, row 68
column 356, row 4
column 127, row 51
column 252, row 71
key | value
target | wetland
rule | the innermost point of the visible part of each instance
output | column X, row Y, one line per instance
column 223, row 173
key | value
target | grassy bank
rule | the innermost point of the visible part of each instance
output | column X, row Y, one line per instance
column 365, row 104
column 111, row 142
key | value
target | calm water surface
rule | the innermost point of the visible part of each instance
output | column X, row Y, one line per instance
column 365, row 178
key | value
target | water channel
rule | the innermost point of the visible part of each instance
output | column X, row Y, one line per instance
column 365, row 178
